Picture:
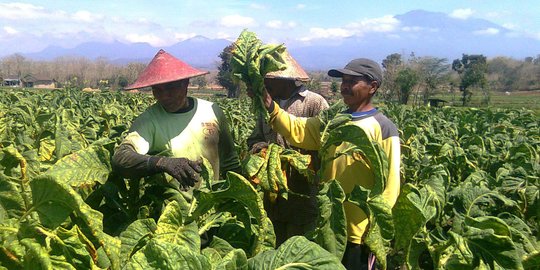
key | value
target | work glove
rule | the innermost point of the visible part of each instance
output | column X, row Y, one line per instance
column 184, row 171
column 256, row 148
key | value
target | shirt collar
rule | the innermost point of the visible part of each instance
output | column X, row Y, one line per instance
column 356, row 115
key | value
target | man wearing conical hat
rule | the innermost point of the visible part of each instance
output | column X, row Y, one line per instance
column 175, row 133
column 297, row 214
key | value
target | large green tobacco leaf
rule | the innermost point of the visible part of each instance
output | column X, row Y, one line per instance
column 532, row 261
column 17, row 164
column 84, row 168
column 224, row 256
column 360, row 143
column 521, row 233
column 236, row 189
column 55, row 201
column 267, row 167
column 74, row 247
column 331, row 231
column 136, row 236
column 11, row 250
column 413, row 209
column 381, row 224
column 160, row 254
column 171, row 228
column 11, row 201
column 474, row 199
column 37, row 257
column 251, row 61
column 490, row 238
column 295, row 253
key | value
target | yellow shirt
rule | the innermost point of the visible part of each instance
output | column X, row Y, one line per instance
column 305, row 133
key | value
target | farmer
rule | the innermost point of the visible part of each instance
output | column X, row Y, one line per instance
column 185, row 128
column 360, row 80
column 297, row 214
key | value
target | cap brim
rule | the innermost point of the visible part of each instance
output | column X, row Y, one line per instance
column 339, row 72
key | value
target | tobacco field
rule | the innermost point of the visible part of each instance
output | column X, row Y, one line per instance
column 470, row 195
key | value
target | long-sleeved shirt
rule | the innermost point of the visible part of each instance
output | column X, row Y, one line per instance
column 305, row 133
column 198, row 131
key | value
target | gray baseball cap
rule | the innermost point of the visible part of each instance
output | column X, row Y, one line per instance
column 360, row 67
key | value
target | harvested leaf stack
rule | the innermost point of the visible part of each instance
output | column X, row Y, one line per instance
column 251, row 61
column 267, row 168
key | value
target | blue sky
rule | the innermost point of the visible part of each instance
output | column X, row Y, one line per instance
column 30, row 26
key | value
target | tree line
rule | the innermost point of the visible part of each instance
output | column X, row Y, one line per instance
column 408, row 79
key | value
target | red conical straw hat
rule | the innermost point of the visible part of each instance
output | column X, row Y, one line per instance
column 293, row 71
column 164, row 68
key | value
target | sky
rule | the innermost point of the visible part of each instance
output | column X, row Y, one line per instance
column 31, row 26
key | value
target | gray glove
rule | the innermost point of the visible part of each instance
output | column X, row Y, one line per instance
column 185, row 171
column 256, row 148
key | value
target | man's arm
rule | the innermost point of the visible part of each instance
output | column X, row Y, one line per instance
column 391, row 146
column 131, row 164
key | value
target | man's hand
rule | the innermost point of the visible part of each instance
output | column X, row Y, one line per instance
column 185, row 171
column 267, row 99
column 256, row 148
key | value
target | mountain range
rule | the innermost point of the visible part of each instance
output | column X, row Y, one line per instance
column 423, row 33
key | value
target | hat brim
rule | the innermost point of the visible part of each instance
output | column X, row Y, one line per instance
column 144, row 84
column 338, row 73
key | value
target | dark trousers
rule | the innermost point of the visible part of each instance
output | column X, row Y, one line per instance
column 356, row 257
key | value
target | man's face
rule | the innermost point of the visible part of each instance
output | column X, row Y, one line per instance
column 279, row 88
column 357, row 91
column 172, row 96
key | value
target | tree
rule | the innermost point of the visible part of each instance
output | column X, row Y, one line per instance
column 122, row 82
column 472, row 70
column 406, row 79
column 224, row 76
column 433, row 72
column 391, row 64
column 334, row 87
column 200, row 82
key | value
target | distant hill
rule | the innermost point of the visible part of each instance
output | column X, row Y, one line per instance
column 422, row 32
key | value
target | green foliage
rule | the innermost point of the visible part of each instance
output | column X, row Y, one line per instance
column 225, row 73
column 406, row 79
column 267, row 168
column 471, row 198
column 251, row 61
column 472, row 70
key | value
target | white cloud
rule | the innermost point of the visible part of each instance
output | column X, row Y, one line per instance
column 224, row 35
column 257, row 6
column 419, row 29
column 382, row 24
column 301, row 6
column 317, row 33
column 86, row 16
column 274, row 24
column 277, row 24
column 21, row 11
column 462, row 14
column 487, row 32
column 148, row 38
column 510, row 26
column 10, row 30
column 237, row 21
column 385, row 24
column 183, row 36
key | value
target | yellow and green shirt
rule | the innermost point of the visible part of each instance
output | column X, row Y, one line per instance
column 199, row 131
column 305, row 133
